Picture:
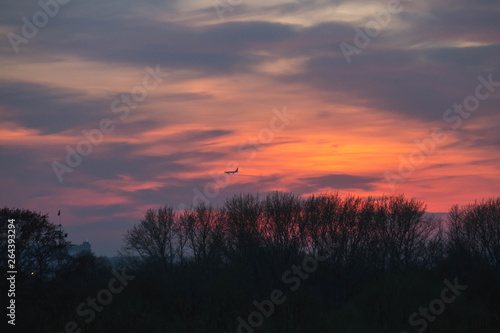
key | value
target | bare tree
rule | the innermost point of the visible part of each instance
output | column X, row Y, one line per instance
column 401, row 233
column 476, row 229
column 204, row 233
column 153, row 240
column 242, row 219
column 281, row 227
column 318, row 214
column 40, row 247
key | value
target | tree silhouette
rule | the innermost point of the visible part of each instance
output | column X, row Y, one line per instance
column 210, row 268
column 153, row 240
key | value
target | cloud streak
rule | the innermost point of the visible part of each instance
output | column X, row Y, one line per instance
column 353, row 120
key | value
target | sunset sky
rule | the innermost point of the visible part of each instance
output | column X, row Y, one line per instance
column 266, row 86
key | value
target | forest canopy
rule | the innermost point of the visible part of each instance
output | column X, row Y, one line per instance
column 275, row 263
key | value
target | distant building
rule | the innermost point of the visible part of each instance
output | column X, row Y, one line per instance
column 83, row 248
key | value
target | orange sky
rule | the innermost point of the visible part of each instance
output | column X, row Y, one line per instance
column 352, row 122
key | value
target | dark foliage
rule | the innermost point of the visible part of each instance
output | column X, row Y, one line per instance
column 343, row 264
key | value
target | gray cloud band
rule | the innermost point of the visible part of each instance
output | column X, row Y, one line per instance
column 120, row 105
column 455, row 115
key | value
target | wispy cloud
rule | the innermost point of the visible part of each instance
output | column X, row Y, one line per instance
column 354, row 119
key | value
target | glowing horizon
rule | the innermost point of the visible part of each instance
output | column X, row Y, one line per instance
column 353, row 122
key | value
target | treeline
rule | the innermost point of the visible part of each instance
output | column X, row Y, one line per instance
column 338, row 264
column 48, row 281
column 389, row 234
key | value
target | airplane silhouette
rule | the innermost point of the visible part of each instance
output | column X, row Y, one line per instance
column 233, row 172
